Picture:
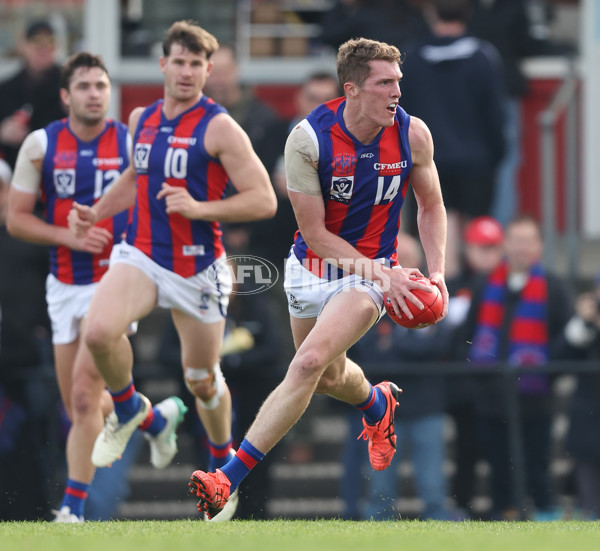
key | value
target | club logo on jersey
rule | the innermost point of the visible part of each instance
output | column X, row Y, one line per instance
column 341, row 189
column 65, row 159
column 64, row 182
column 147, row 134
column 141, row 155
column 343, row 164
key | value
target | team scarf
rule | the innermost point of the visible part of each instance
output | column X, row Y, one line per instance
column 528, row 331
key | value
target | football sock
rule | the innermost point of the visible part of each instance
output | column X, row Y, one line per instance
column 219, row 455
column 75, row 496
column 154, row 422
column 127, row 403
column 244, row 461
column 373, row 408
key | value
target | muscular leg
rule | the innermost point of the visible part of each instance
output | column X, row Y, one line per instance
column 318, row 347
column 125, row 294
column 200, row 349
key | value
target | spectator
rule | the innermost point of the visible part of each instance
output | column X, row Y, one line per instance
column 483, row 250
column 262, row 124
column 419, row 423
column 454, row 82
column 583, row 340
column 512, row 321
column 393, row 21
column 30, row 98
column 507, row 25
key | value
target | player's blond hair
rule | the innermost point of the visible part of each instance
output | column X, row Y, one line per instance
column 190, row 36
column 354, row 55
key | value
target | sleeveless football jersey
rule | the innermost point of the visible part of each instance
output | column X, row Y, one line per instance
column 363, row 186
column 172, row 151
column 73, row 170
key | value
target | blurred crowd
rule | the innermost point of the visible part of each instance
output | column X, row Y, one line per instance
column 484, row 378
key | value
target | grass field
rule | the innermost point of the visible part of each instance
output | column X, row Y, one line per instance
column 286, row 535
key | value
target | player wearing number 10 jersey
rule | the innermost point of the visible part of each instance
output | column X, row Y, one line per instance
column 173, row 152
column 186, row 150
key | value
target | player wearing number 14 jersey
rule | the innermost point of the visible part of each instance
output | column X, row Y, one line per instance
column 347, row 167
column 75, row 159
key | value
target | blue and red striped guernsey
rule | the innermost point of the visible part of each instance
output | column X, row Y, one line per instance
column 74, row 170
column 363, row 186
column 173, row 151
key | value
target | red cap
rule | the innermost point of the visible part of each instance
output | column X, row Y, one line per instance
column 484, row 230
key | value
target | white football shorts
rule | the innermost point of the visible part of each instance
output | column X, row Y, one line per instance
column 204, row 296
column 307, row 294
column 67, row 306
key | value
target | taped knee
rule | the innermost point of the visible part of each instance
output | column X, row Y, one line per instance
column 208, row 386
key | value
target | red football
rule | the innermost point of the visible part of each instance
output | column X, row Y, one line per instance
column 422, row 318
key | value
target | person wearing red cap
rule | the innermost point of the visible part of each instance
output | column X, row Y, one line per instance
column 483, row 248
column 516, row 320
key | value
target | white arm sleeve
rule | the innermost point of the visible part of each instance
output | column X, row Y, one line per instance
column 301, row 160
column 27, row 176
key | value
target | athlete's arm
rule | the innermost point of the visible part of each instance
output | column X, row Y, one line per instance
column 119, row 197
column 21, row 221
column 255, row 198
column 309, row 208
column 431, row 213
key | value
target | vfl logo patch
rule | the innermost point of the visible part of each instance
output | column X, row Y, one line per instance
column 341, row 189
column 64, row 182
column 141, row 155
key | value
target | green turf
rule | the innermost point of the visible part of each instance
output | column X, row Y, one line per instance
column 195, row 535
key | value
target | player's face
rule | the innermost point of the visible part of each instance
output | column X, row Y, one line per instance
column 185, row 73
column 380, row 93
column 88, row 97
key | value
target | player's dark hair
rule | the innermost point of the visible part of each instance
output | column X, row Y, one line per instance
column 354, row 56
column 76, row 61
column 190, row 36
